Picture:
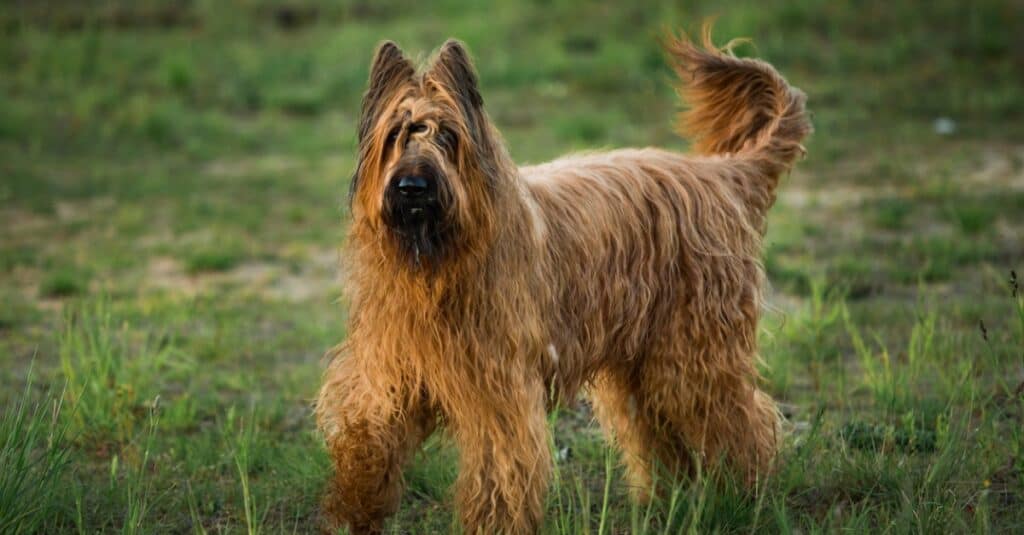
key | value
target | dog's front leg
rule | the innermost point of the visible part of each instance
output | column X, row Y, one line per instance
column 505, row 460
column 372, row 422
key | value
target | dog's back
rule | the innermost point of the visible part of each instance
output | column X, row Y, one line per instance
column 651, row 250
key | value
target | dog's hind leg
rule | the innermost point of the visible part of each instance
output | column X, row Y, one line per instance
column 705, row 390
column 690, row 402
column 648, row 453
column 504, row 459
column 372, row 424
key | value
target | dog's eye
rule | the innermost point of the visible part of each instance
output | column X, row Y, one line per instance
column 448, row 140
column 393, row 134
column 416, row 128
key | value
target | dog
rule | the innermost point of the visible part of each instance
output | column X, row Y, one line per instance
column 482, row 294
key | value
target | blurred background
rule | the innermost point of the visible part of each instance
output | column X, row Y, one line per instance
column 172, row 197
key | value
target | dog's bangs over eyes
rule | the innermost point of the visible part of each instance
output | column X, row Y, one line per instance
column 448, row 140
column 442, row 135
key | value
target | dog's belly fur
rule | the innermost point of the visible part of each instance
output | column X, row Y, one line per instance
column 637, row 242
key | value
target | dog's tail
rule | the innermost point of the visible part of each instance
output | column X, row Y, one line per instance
column 739, row 107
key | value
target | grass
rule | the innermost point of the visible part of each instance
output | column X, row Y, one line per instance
column 174, row 176
column 212, row 259
column 63, row 282
column 33, row 462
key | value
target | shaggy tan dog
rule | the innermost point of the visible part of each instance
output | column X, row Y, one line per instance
column 481, row 292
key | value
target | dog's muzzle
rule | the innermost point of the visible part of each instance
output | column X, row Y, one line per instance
column 412, row 201
column 416, row 199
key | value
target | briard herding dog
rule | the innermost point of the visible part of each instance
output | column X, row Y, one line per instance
column 483, row 293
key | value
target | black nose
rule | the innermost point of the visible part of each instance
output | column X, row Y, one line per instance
column 412, row 186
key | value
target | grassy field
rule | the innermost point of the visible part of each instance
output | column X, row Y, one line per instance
column 172, row 185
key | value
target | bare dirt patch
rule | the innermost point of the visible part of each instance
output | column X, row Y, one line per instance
column 313, row 278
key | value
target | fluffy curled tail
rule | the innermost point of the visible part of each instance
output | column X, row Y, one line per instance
column 738, row 106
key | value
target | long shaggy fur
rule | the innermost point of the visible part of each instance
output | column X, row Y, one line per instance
column 632, row 274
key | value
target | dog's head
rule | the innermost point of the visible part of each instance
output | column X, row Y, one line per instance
column 427, row 164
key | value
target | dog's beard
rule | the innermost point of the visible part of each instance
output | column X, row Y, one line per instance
column 424, row 241
column 423, row 235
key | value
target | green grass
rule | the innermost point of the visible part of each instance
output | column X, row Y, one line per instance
column 211, row 259
column 63, row 282
column 972, row 217
column 33, row 463
column 173, row 196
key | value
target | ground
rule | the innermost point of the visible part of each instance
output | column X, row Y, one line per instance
column 172, row 199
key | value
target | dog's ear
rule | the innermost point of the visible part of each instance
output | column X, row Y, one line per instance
column 389, row 71
column 455, row 71
column 454, row 74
